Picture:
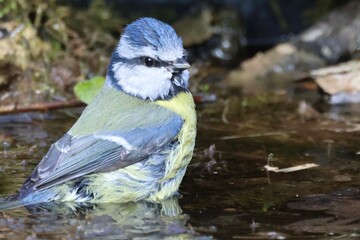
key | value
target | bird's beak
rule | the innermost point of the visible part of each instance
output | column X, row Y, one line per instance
column 180, row 65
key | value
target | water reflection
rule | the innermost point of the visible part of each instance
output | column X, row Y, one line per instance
column 105, row 221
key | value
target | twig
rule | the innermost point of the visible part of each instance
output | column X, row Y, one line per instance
column 256, row 135
column 225, row 111
column 279, row 15
column 290, row 169
column 269, row 168
column 39, row 107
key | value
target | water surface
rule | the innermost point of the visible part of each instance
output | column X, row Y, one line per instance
column 226, row 193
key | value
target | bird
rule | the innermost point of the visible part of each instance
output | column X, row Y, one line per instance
column 135, row 139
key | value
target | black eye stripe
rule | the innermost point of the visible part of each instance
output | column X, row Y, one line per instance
column 154, row 63
column 140, row 61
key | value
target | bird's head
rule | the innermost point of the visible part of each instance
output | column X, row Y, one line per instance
column 149, row 61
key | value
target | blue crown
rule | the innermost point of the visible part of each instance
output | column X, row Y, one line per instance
column 149, row 31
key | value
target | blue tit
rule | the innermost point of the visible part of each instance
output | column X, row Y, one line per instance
column 135, row 138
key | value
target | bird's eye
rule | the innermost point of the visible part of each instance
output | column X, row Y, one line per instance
column 149, row 62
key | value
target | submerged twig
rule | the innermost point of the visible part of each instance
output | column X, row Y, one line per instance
column 256, row 135
column 39, row 107
column 225, row 112
column 269, row 168
column 290, row 169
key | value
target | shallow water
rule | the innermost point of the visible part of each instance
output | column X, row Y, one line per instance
column 226, row 193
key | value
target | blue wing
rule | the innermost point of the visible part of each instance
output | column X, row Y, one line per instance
column 72, row 157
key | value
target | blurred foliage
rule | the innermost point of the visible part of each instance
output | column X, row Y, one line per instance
column 97, row 24
column 98, row 17
column 86, row 90
column 55, row 45
column 7, row 6
column 45, row 16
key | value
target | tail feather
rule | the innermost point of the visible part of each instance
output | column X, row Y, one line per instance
column 7, row 205
column 12, row 202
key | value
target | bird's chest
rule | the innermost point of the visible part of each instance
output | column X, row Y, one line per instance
column 181, row 154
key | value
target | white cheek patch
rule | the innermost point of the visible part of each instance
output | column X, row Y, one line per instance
column 145, row 82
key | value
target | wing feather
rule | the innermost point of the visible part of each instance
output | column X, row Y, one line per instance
column 72, row 157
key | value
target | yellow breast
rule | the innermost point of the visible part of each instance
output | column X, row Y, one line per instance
column 182, row 104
